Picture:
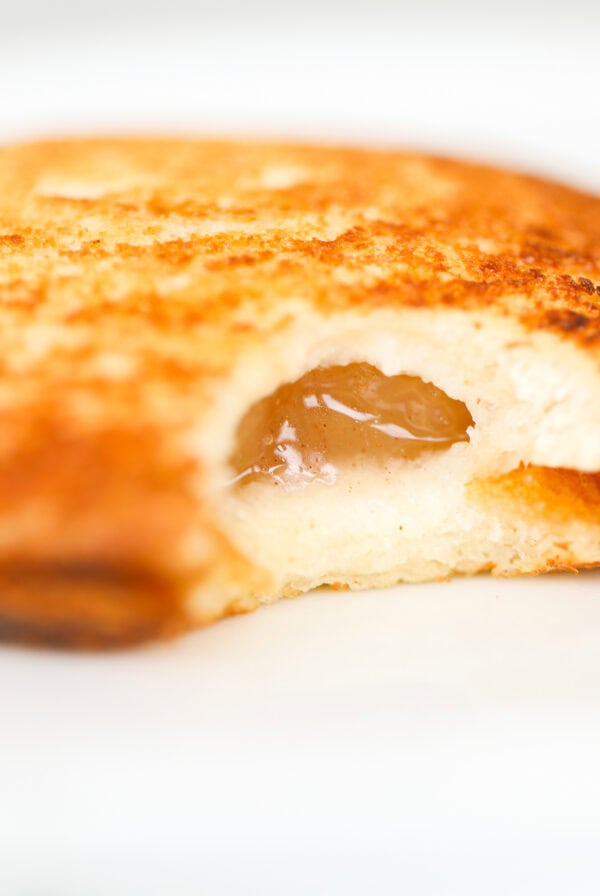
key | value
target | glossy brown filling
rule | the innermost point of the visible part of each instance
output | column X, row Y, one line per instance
column 333, row 417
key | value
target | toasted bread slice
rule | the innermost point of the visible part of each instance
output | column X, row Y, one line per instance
column 172, row 449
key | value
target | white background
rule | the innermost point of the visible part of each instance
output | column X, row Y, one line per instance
column 438, row 739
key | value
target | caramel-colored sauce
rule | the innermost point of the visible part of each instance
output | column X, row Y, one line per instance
column 333, row 417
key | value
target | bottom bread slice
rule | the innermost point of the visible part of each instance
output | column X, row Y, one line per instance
column 530, row 520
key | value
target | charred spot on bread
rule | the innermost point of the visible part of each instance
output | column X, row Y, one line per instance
column 87, row 606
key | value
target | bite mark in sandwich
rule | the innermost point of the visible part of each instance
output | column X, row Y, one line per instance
column 233, row 371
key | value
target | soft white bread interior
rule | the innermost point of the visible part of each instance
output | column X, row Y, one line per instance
column 484, row 504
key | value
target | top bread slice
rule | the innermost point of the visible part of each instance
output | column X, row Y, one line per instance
column 151, row 291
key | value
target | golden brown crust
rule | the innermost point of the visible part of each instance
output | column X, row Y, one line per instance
column 127, row 269
column 79, row 218
column 89, row 530
column 546, row 494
